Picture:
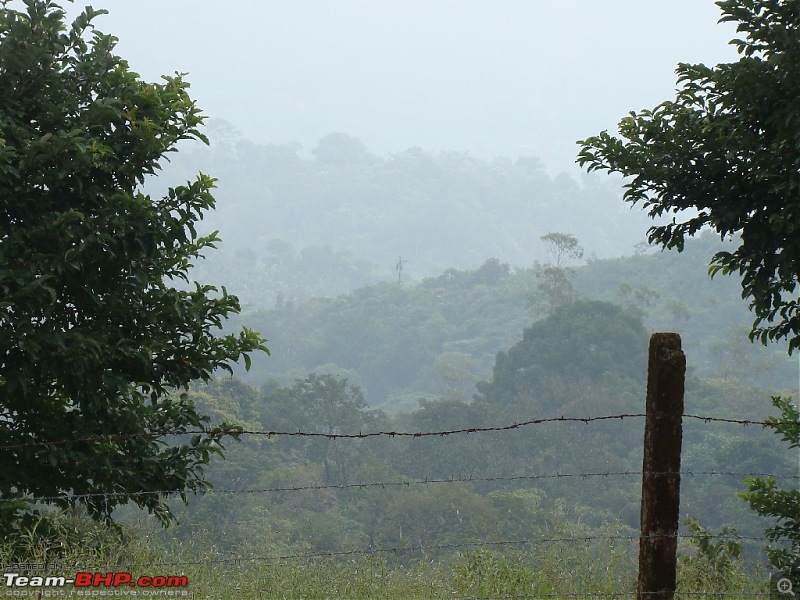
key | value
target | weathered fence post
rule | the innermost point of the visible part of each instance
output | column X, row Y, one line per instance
column 658, row 542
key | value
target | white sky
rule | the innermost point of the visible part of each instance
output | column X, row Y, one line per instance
column 490, row 77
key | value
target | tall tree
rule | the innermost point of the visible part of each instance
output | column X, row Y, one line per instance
column 726, row 151
column 326, row 404
column 97, row 339
column 555, row 287
column 562, row 247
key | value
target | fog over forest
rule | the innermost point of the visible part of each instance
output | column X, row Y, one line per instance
column 485, row 93
column 384, row 222
column 513, row 78
column 402, row 219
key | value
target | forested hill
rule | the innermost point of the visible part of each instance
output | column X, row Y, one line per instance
column 312, row 246
column 463, row 350
column 438, row 337
column 322, row 225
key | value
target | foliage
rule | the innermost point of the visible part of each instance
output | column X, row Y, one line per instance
column 583, row 340
column 400, row 339
column 95, row 337
column 408, row 334
column 281, row 275
column 325, row 404
column 767, row 499
column 563, row 246
column 714, row 567
column 58, row 533
column 725, row 150
column 669, row 286
column 554, row 289
column 258, row 569
column 484, row 574
column 280, row 503
column 720, row 554
column 644, row 296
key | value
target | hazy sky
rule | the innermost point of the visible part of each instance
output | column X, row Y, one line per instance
column 490, row 77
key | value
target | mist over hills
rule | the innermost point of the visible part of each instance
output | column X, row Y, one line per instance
column 301, row 233
column 344, row 217
column 457, row 377
column 313, row 245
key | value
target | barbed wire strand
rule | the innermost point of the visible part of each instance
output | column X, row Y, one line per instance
column 391, row 434
column 238, row 560
column 632, row 594
column 587, row 594
column 401, row 483
column 745, row 422
column 333, row 436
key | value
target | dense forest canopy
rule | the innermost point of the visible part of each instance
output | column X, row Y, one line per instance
column 399, row 340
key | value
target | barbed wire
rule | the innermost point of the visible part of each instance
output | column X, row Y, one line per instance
column 771, row 423
column 632, row 594
column 403, row 483
column 238, row 560
column 333, row 436
column 586, row 594
column 235, row 431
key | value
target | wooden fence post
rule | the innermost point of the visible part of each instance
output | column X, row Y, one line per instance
column 661, row 465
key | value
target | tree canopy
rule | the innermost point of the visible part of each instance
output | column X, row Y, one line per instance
column 98, row 334
column 585, row 339
column 726, row 151
column 562, row 247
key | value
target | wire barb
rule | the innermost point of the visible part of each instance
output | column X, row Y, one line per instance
column 360, row 435
column 405, row 483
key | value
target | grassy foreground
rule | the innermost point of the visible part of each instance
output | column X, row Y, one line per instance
column 601, row 569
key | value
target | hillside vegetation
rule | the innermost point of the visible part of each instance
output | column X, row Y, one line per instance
column 549, row 508
column 439, row 336
column 466, row 349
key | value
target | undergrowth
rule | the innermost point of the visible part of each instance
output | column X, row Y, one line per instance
column 62, row 544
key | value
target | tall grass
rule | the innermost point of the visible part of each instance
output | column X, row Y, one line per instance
column 598, row 569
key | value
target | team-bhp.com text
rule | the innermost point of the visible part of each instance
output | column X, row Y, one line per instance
column 95, row 582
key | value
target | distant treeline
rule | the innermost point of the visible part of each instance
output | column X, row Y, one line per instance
column 441, row 335
column 298, row 227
